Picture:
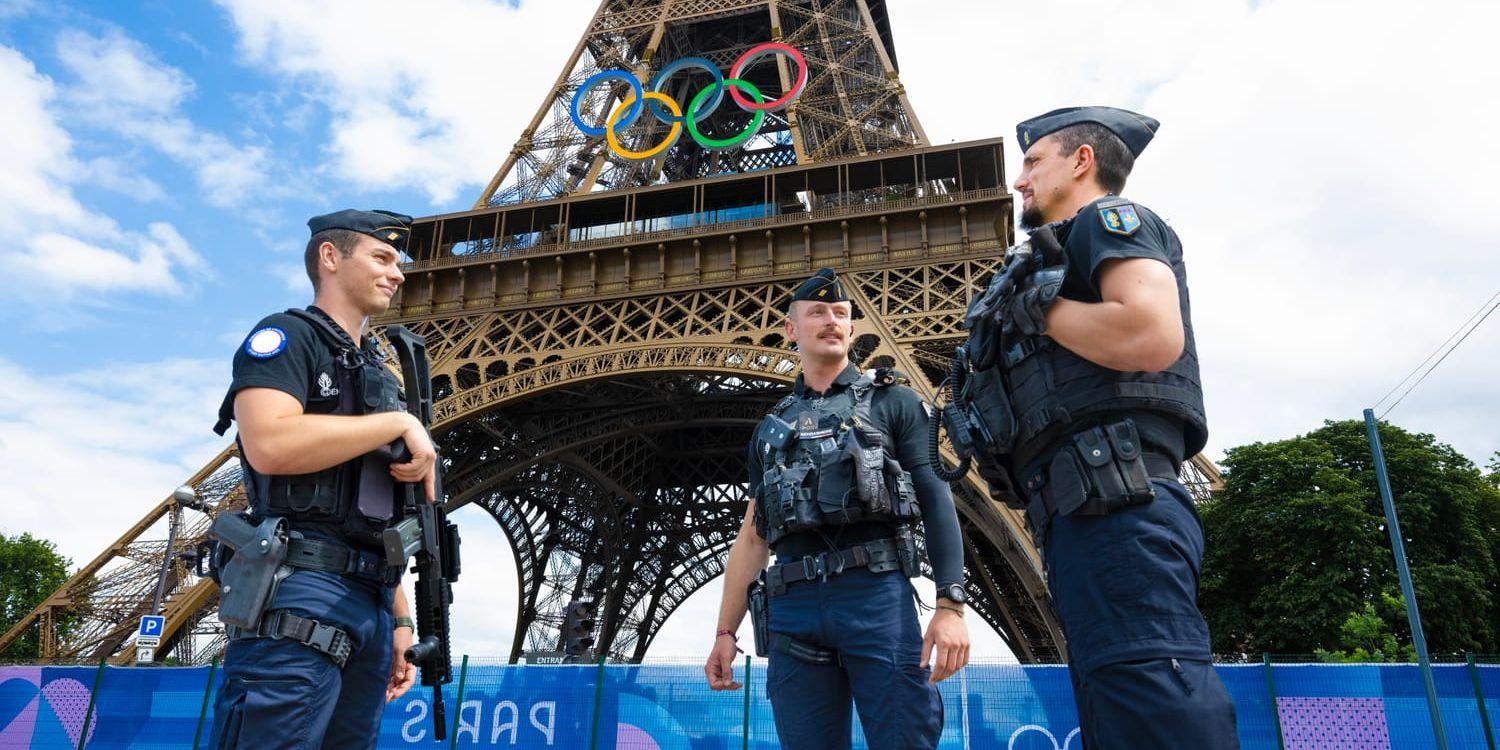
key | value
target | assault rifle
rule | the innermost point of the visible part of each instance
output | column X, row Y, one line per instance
column 426, row 535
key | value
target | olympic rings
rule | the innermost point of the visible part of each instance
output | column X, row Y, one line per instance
column 595, row 79
column 733, row 84
column 651, row 99
column 672, row 135
column 689, row 62
column 753, row 55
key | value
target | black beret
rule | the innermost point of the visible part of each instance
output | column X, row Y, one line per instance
column 823, row 286
column 386, row 226
column 1136, row 130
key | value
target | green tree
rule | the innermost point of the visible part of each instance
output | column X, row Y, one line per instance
column 30, row 570
column 1299, row 558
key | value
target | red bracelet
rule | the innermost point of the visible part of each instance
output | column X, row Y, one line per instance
column 721, row 632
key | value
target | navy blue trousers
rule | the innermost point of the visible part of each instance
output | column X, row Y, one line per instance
column 1125, row 586
column 280, row 694
column 871, row 620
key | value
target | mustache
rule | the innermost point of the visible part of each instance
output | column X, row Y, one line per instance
column 831, row 329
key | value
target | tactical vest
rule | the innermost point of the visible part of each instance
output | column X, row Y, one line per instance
column 829, row 468
column 1039, row 392
column 357, row 497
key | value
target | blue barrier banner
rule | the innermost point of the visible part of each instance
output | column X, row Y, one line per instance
column 669, row 707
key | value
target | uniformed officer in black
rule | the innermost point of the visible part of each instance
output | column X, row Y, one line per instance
column 1102, row 373
column 842, row 621
column 314, row 402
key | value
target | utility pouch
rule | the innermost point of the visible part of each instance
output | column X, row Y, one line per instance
column 799, row 509
column 760, row 614
column 1115, row 472
column 989, row 411
column 248, row 580
column 906, row 550
column 377, row 490
column 868, row 452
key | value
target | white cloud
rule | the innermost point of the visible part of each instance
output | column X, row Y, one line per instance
column 86, row 454
column 1333, row 212
column 434, row 102
column 64, row 247
column 122, row 87
column 117, row 175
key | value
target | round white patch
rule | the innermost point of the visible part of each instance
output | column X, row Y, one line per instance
column 266, row 343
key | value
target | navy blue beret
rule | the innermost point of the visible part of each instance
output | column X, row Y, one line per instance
column 1136, row 130
column 823, row 286
column 386, row 226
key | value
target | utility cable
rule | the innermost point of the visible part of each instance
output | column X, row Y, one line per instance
column 1492, row 305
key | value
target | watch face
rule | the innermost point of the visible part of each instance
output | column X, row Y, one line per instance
column 955, row 592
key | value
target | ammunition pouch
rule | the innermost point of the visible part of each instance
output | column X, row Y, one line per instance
column 1096, row 472
column 251, row 563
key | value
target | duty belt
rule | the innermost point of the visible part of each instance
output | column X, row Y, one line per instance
column 879, row 556
column 333, row 557
column 330, row 640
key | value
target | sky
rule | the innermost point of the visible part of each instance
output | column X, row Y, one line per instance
column 1323, row 161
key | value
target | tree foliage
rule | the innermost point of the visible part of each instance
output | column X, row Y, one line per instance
column 1299, row 558
column 30, row 570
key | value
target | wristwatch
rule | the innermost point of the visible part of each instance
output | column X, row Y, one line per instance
column 953, row 592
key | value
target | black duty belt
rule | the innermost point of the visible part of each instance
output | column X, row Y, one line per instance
column 333, row 557
column 879, row 556
column 330, row 640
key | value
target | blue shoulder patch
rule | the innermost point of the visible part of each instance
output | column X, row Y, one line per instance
column 266, row 342
column 1120, row 219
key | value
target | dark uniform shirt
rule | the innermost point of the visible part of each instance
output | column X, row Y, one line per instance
column 1088, row 246
column 900, row 417
column 305, row 369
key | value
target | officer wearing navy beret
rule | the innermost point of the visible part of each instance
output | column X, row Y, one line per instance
column 1101, row 371
column 839, row 480
column 316, row 405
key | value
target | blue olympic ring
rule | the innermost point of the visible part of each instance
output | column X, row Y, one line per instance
column 594, row 80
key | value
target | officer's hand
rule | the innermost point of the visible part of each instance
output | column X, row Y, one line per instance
column 1027, row 311
column 423, row 463
column 949, row 637
column 403, row 673
column 720, row 666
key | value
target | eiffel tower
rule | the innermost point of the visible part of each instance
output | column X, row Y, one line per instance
column 606, row 329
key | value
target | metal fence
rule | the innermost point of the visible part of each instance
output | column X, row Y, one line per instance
column 1281, row 704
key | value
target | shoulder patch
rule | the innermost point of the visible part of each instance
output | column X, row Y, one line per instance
column 266, row 342
column 1120, row 219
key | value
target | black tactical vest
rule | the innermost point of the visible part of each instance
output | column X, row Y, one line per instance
column 1054, row 392
column 828, row 466
column 355, row 499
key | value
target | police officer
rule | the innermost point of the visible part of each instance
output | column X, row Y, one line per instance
column 838, row 477
column 316, row 405
column 1098, row 361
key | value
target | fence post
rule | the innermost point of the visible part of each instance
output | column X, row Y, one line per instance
column 463, row 673
column 1484, row 715
column 203, row 710
column 745, row 734
column 598, row 704
column 1271, row 691
column 88, row 715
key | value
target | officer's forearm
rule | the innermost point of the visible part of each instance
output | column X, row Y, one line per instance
column 945, row 546
column 747, row 557
column 400, row 607
column 304, row 443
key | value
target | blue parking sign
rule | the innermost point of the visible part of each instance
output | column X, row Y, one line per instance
column 152, row 626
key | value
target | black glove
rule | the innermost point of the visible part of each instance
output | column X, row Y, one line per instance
column 1026, row 314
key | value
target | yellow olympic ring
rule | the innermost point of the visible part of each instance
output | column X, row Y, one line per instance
column 619, row 111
